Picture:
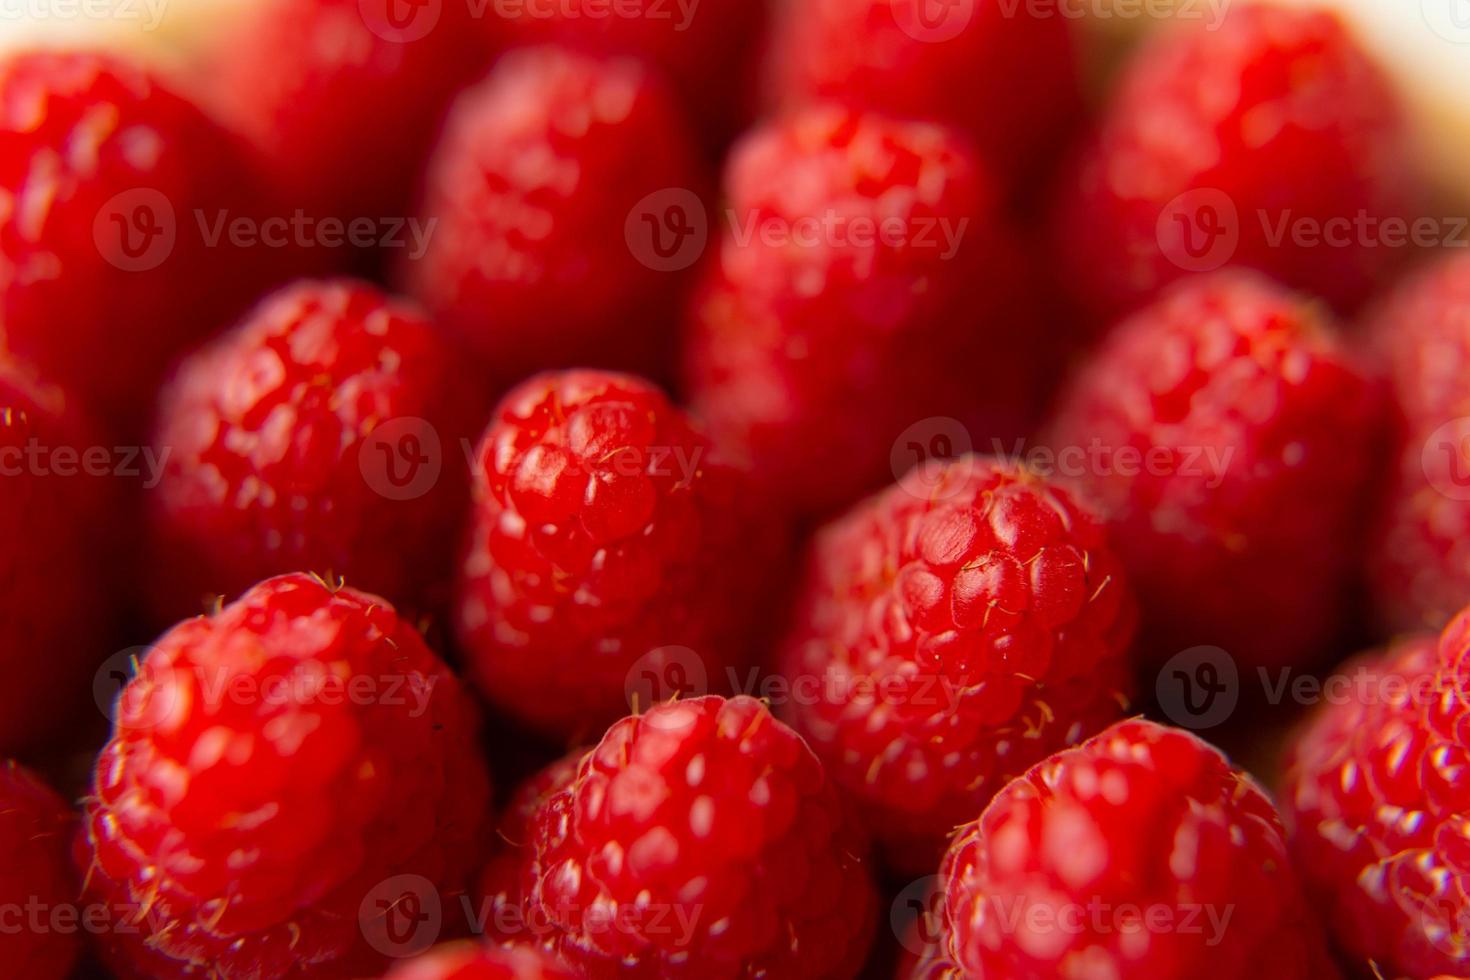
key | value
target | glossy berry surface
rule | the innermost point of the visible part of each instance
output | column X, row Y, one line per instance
column 323, row 432
column 952, row 631
column 1214, row 149
column 105, row 275
column 538, row 190
column 1140, row 853
column 864, row 259
column 607, row 539
column 700, row 839
column 37, row 887
column 472, row 961
column 1376, row 801
column 271, row 768
column 1210, row 431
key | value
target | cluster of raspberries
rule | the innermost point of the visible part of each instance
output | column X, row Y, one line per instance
column 740, row 494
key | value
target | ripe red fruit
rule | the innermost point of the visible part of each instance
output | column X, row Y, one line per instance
column 536, row 191
column 1140, row 853
column 473, row 961
column 1006, row 76
column 1237, row 142
column 706, row 48
column 951, row 632
column 56, row 594
column 38, row 891
column 865, row 260
column 272, row 766
column 107, row 181
column 1420, row 568
column 700, row 839
column 606, row 536
column 1231, row 439
column 1375, row 800
column 326, row 431
column 344, row 98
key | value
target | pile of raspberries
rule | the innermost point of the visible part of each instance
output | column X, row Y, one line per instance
column 684, row 490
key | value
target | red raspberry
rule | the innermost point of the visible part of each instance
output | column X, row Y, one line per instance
column 706, row 48
column 105, row 274
column 535, row 192
column 56, row 598
column 326, row 431
column 606, row 536
column 344, row 98
column 865, row 260
column 700, row 839
column 270, row 767
column 1420, row 566
column 472, row 961
column 1230, row 437
column 1218, row 143
column 1375, row 798
column 951, row 632
column 897, row 57
column 40, row 935
column 1140, row 853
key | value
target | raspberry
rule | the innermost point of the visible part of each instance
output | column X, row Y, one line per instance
column 1375, row 802
column 104, row 276
column 606, row 535
column 343, row 98
column 700, row 839
column 1420, row 566
column 533, row 263
column 812, row 350
column 952, row 631
column 323, row 432
column 271, row 765
column 56, row 594
column 706, row 48
column 895, row 56
column 37, row 887
column 1230, row 437
column 1221, row 145
column 470, row 961
column 1140, row 853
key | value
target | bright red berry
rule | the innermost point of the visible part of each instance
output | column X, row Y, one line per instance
column 864, row 260
column 271, row 767
column 343, row 98
column 606, row 535
column 473, row 961
column 41, row 936
column 949, row 62
column 108, row 184
column 1231, row 438
column 1375, row 797
column 706, row 48
column 1240, row 141
column 1420, row 565
column 951, row 632
column 1140, row 853
column 700, row 839
column 327, row 431
column 56, row 594
column 537, row 191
